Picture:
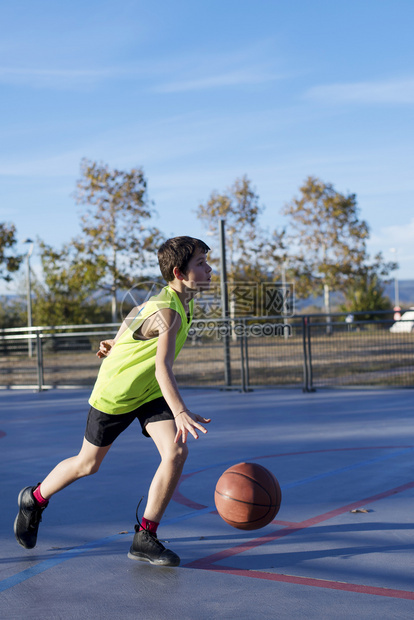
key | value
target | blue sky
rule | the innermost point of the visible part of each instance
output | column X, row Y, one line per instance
column 200, row 93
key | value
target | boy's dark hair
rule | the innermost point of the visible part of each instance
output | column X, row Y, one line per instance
column 177, row 252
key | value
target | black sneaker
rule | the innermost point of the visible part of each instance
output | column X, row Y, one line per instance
column 28, row 518
column 147, row 548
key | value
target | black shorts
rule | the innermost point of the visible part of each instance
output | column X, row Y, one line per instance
column 103, row 428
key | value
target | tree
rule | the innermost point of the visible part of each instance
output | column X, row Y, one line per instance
column 366, row 291
column 12, row 312
column 254, row 256
column 329, row 246
column 67, row 294
column 239, row 206
column 275, row 267
column 116, row 235
column 9, row 261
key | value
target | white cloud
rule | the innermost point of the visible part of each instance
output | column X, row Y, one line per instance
column 395, row 91
column 396, row 233
column 60, row 164
column 239, row 77
column 399, row 237
column 184, row 78
column 65, row 78
column 254, row 64
column 55, row 78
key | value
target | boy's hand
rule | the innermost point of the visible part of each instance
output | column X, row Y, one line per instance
column 187, row 422
column 105, row 348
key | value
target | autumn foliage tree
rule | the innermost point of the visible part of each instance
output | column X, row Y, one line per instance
column 366, row 290
column 116, row 230
column 328, row 244
column 328, row 240
column 239, row 205
column 322, row 249
column 66, row 295
column 9, row 260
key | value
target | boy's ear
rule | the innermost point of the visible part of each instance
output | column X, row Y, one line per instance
column 177, row 274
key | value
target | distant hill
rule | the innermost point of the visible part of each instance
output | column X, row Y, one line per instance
column 406, row 296
column 406, row 292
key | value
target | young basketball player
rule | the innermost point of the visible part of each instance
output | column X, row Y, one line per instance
column 136, row 380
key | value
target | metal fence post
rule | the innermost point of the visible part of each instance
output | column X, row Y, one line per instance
column 242, row 365
column 39, row 349
column 244, row 360
column 246, row 356
column 310, row 370
column 305, row 355
column 225, row 305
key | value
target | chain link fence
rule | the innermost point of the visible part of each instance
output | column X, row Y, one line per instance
column 306, row 352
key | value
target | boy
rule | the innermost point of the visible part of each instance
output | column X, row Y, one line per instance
column 136, row 381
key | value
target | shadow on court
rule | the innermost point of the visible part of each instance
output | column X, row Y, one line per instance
column 340, row 546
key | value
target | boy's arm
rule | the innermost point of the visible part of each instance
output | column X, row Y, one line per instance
column 185, row 421
column 106, row 345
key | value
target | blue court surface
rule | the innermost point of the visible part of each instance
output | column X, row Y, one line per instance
column 341, row 545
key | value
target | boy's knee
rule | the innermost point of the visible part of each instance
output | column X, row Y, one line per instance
column 179, row 454
column 93, row 468
column 88, row 468
column 184, row 452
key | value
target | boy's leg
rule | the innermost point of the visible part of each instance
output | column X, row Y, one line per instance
column 146, row 545
column 85, row 463
column 173, row 456
column 27, row 522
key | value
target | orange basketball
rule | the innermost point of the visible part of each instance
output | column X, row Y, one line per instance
column 247, row 496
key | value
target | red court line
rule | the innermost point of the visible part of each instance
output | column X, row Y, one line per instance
column 352, row 449
column 208, row 562
column 182, row 499
column 285, row 523
column 317, row 583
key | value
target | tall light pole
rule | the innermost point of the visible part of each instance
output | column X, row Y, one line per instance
column 224, row 301
column 327, row 300
column 29, row 295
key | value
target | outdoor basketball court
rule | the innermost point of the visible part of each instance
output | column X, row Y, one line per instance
column 340, row 547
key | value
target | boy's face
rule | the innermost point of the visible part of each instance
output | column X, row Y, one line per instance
column 198, row 272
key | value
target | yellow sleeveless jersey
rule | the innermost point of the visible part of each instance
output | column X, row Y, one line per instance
column 126, row 379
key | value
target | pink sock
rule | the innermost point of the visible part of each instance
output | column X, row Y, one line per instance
column 39, row 497
column 151, row 526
